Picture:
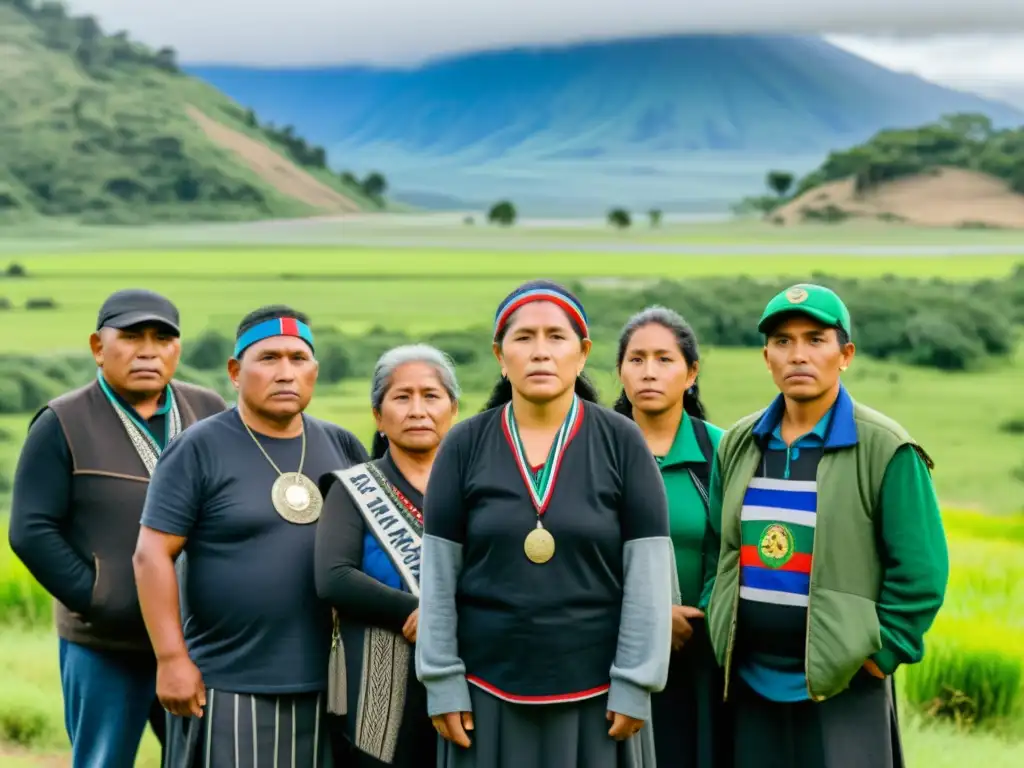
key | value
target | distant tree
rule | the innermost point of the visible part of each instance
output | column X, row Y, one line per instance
column 166, row 59
column 1017, row 177
column 250, row 119
column 317, row 157
column 502, row 213
column 52, row 10
column 971, row 126
column 87, row 28
column 655, row 216
column 375, row 185
column 779, row 182
column 619, row 218
column 349, row 179
column 208, row 351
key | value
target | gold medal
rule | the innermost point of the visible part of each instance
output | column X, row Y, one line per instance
column 539, row 545
column 296, row 498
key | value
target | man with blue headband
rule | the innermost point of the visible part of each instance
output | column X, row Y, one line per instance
column 242, row 658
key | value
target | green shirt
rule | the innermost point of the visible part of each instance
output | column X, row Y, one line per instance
column 687, row 516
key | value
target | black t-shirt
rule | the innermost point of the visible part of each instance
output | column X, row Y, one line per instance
column 251, row 617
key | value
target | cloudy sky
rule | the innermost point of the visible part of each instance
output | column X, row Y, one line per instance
column 961, row 42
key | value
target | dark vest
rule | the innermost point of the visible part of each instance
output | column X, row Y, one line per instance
column 108, row 490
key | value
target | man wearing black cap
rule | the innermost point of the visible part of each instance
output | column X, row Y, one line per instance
column 78, row 495
column 242, row 641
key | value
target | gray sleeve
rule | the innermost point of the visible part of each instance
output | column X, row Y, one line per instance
column 438, row 665
column 645, row 629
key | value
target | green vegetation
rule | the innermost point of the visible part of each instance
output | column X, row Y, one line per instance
column 966, row 141
column 97, row 127
column 620, row 218
column 961, row 706
column 502, row 213
column 959, row 141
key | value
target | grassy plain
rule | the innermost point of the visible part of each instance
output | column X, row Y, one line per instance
column 956, row 416
column 354, row 288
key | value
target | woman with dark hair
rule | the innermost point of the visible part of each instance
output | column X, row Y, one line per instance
column 367, row 561
column 658, row 364
column 546, row 603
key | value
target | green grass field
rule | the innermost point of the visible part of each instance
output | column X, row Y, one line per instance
column 356, row 288
column 976, row 641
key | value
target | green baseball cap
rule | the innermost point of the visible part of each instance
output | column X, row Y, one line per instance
column 816, row 301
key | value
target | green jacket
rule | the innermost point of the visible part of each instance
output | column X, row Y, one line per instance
column 687, row 514
column 866, row 601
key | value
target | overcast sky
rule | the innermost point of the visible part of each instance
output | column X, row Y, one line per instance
column 955, row 41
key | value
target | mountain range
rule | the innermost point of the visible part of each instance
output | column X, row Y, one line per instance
column 683, row 123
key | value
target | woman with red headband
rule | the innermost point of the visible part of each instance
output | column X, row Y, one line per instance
column 546, row 586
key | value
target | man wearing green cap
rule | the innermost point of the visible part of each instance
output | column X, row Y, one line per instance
column 828, row 561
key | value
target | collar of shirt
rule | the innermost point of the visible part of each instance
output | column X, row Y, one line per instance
column 836, row 429
column 685, row 449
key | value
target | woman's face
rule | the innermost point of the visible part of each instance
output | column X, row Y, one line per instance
column 417, row 410
column 541, row 353
column 654, row 371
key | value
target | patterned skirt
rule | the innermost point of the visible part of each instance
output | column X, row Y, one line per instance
column 242, row 730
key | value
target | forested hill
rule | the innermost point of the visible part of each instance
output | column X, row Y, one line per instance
column 968, row 141
column 96, row 127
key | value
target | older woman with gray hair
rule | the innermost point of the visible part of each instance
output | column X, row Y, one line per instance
column 368, row 560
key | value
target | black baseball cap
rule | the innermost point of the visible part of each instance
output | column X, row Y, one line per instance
column 135, row 306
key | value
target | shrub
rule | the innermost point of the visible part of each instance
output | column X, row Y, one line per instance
column 619, row 218
column 209, row 352
column 934, row 323
column 22, row 600
column 502, row 213
column 25, row 719
column 936, row 341
column 218, row 382
column 333, row 355
column 980, row 667
column 24, row 389
column 1013, row 426
column 41, row 303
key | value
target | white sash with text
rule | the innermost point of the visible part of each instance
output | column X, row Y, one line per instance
column 391, row 526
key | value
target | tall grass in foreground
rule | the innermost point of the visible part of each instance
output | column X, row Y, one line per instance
column 22, row 600
column 973, row 669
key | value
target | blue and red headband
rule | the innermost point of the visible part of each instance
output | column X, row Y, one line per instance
column 542, row 292
column 279, row 326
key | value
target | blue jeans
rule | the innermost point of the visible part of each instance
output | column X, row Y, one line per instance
column 109, row 696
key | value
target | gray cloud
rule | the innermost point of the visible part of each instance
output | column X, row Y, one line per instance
column 309, row 32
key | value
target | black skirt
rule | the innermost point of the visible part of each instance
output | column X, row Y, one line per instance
column 571, row 735
column 854, row 729
column 691, row 723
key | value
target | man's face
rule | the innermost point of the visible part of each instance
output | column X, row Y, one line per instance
column 275, row 377
column 139, row 360
column 805, row 358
